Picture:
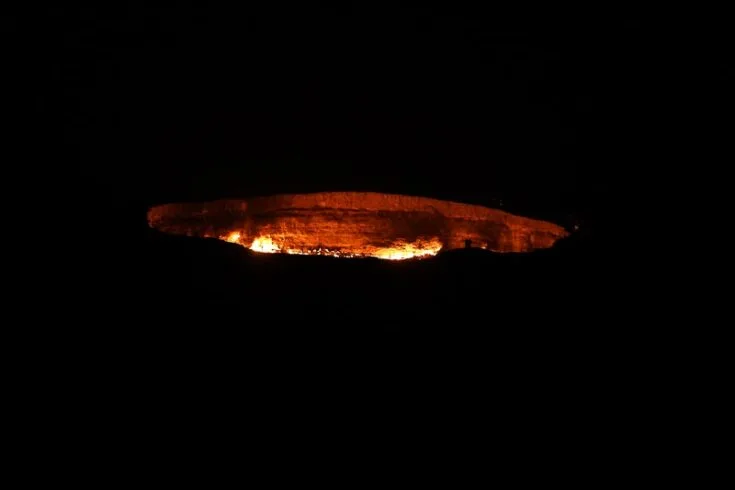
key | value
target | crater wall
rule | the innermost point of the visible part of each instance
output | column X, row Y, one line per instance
column 355, row 221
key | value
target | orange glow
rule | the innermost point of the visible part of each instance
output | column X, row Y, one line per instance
column 355, row 224
column 402, row 250
column 233, row 237
column 399, row 250
column 264, row 244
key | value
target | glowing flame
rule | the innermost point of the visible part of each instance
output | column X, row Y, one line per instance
column 355, row 224
column 232, row 237
column 264, row 244
column 400, row 250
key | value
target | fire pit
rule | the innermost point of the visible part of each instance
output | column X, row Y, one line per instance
column 355, row 224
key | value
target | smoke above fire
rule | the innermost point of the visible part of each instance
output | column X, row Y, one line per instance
column 355, row 224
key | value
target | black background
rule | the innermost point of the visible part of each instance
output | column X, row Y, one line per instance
column 531, row 111
column 163, row 104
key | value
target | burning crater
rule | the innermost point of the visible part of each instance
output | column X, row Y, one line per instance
column 355, row 224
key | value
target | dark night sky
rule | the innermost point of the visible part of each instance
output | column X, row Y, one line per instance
column 144, row 105
column 162, row 104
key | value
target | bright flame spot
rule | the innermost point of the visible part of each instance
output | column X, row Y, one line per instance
column 401, row 251
column 232, row 237
column 397, row 251
column 264, row 244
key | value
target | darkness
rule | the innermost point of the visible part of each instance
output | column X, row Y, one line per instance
column 531, row 111
column 171, row 104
